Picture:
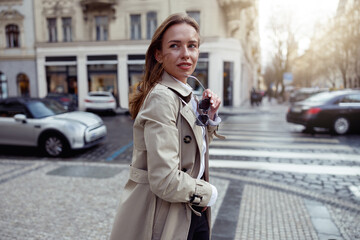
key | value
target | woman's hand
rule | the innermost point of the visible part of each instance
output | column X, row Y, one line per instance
column 215, row 102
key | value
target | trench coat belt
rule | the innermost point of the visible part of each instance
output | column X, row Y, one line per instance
column 138, row 175
column 141, row 176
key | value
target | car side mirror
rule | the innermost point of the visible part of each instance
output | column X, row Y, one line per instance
column 20, row 118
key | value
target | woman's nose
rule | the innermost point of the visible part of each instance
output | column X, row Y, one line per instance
column 185, row 52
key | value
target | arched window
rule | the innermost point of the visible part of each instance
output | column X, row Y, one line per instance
column 23, row 85
column 12, row 36
column 3, row 86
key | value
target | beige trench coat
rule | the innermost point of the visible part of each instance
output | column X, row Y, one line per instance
column 155, row 203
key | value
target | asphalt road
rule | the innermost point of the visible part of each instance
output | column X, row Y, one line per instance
column 260, row 143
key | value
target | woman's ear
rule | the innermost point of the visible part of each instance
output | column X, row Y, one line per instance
column 158, row 56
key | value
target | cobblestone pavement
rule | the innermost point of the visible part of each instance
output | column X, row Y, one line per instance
column 76, row 198
column 73, row 200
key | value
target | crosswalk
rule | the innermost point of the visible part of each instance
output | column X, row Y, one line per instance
column 253, row 144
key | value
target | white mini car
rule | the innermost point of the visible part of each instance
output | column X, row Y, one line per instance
column 100, row 101
column 46, row 124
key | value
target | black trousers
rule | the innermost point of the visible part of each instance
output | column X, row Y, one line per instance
column 199, row 228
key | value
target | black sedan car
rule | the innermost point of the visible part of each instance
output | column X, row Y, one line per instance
column 338, row 111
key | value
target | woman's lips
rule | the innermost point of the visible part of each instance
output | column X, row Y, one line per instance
column 184, row 66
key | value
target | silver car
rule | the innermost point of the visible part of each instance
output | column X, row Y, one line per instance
column 46, row 124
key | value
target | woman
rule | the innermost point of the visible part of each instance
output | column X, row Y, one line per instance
column 168, row 194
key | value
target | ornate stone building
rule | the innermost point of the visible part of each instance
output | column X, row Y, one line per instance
column 17, row 52
column 91, row 45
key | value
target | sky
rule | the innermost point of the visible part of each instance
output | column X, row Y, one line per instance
column 305, row 14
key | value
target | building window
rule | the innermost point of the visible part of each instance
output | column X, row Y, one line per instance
column 23, row 85
column 201, row 73
column 3, row 86
column 67, row 33
column 61, row 79
column 151, row 21
column 135, row 21
column 12, row 36
column 103, row 77
column 101, row 28
column 52, row 29
column 195, row 15
column 136, row 74
column 228, row 83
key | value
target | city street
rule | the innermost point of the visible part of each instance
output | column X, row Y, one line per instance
column 274, row 182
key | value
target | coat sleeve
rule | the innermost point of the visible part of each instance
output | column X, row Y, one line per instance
column 162, row 144
column 212, row 131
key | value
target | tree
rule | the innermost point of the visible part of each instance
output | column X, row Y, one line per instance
column 285, row 49
column 346, row 37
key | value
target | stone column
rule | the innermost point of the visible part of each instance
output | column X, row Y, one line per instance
column 82, row 80
column 123, row 83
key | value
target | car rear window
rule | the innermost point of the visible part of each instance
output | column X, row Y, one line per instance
column 320, row 97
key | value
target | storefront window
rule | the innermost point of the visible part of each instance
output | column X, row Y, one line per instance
column 136, row 74
column 103, row 77
column 23, row 85
column 228, row 83
column 201, row 73
column 3, row 86
column 61, row 79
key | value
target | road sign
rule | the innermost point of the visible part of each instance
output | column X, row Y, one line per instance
column 288, row 78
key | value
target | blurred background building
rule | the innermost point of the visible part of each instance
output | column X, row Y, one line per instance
column 17, row 49
column 77, row 46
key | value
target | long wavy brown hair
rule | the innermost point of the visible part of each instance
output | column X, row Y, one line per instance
column 153, row 69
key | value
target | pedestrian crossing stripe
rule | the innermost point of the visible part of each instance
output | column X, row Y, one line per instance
column 283, row 154
column 277, row 145
column 286, row 167
column 355, row 190
column 280, row 139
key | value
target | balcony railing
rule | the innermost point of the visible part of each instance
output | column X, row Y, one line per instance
column 97, row 4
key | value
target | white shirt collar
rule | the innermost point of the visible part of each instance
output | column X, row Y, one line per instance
column 183, row 84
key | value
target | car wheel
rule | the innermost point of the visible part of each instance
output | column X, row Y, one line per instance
column 308, row 129
column 55, row 145
column 341, row 125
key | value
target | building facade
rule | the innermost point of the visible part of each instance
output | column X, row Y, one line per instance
column 100, row 45
column 17, row 49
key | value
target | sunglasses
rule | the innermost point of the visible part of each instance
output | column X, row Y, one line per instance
column 204, row 105
column 203, row 119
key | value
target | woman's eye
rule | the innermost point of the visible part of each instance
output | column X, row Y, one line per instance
column 192, row 46
column 173, row 46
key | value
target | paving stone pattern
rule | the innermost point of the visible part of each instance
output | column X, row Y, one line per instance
column 271, row 214
column 71, row 200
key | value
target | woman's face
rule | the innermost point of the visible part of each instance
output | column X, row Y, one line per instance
column 180, row 51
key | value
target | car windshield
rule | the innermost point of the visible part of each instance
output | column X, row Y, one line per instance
column 320, row 97
column 41, row 109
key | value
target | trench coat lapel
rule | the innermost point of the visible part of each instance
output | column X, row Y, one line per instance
column 181, row 90
column 189, row 116
column 187, row 111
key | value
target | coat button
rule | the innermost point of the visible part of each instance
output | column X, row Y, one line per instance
column 187, row 139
